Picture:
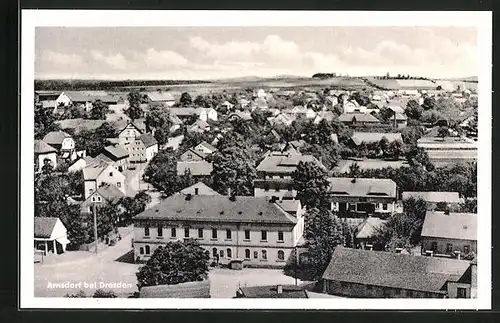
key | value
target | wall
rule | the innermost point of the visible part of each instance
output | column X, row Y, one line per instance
column 68, row 144
column 63, row 99
column 237, row 243
column 151, row 152
column 458, row 245
column 452, row 289
column 89, row 188
column 378, row 204
column 128, row 135
column 137, row 151
column 78, row 165
column 365, row 291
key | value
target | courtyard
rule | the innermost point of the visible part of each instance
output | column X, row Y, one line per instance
column 112, row 269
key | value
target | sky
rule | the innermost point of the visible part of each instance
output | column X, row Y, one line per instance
column 224, row 52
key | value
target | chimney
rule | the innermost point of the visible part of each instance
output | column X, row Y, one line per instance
column 189, row 197
column 229, row 191
column 279, row 289
column 196, row 191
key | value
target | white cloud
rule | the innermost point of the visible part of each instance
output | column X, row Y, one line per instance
column 278, row 48
column 229, row 50
column 161, row 59
column 116, row 61
column 61, row 59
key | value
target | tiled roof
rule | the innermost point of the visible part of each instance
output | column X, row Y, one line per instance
column 284, row 162
column 359, row 117
column 368, row 137
column 367, row 228
column 452, row 226
column 288, row 291
column 91, row 172
column 184, row 112
column 218, row 208
column 55, row 137
column 44, row 226
column 386, row 269
column 203, row 189
column 117, row 152
column 434, row 197
column 104, row 158
column 207, row 146
column 41, row 147
column 366, row 187
column 148, row 139
column 160, row 96
column 290, row 206
column 446, row 143
column 110, row 193
column 183, row 290
column 197, row 168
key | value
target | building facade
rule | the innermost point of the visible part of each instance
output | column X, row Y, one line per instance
column 362, row 196
column 96, row 175
column 449, row 235
column 228, row 229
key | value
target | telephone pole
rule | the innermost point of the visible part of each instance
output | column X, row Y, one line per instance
column 95, row 227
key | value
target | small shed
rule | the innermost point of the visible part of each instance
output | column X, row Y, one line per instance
column 50, row 235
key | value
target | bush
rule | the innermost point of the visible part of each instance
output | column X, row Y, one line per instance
column 80, row 294
column 104, row 294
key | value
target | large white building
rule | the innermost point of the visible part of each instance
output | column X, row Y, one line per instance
column 250, row 228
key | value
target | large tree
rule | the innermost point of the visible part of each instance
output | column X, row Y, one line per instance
column 134, row 110
column 174, row 263
column 185, row 99
column 233, row 168
column 311, row 182
column 99, row 110
column 414, row 110
column 159, row 119
column 44, row 122
column 323, row 232
column 161, row 172
column 134, row 205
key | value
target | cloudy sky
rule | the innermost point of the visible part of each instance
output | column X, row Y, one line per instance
column 216, row 52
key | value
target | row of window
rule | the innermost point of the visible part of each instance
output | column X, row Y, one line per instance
column 229, row 233
column 266, row 189
column 449, row 247
column 228, row 253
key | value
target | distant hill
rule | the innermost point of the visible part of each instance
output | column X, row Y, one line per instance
column 463, row 79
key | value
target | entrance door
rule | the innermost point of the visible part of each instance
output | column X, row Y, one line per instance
column 342, row 207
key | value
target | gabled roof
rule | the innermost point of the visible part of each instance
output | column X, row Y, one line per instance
column 41, row 147
column 434, row 197
column 368, row 227
column 203, row 189
column 290, row 206
column 91, row 172
column 198, row 289
column 386, row 269
column 368, row 137
column 44, row 226
column 271, row 291
column 366, row 187
column 285, row 162
column 55, row 137
column 110, row 193
column 185, row 112
column 117, row 152
column 160, row 96
column 359, row 117
column 453, row 226
column 207, row 146
column 197, row 168
column 218, row 208
column 200, row 124
column 148, row 139
column 396, row 109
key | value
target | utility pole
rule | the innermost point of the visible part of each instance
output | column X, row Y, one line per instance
column 95, row 226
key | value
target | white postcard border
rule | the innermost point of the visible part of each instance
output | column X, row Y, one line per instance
column 72, row 18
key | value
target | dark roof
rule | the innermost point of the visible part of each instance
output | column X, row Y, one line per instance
column 218, row 208
column 360, row 117
column 345, row 186
column 289, row 291
column 183, row 290
column 55, row 137
column 386, row 269
column 41, row 147
column 148, row 139
column 44, row 226
column 117, row 152
column 453, row 226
